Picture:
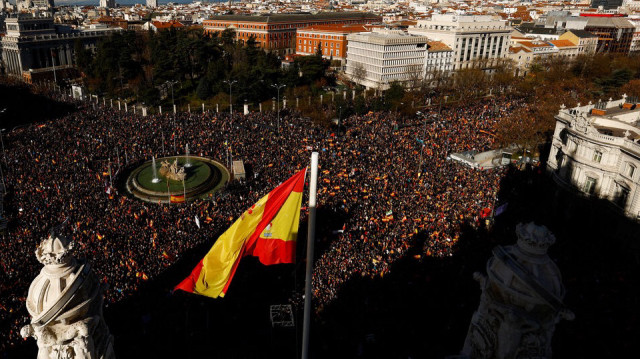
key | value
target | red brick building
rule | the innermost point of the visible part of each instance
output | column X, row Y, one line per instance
column 332, row 38
column 278, row 32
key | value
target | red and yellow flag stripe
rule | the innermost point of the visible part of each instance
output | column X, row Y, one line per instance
column 267, row 230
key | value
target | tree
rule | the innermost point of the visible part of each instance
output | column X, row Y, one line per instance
column 359, row 73
column 204, row 89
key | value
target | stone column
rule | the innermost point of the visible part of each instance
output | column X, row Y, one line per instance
column 217, row 109
column 174, row 109
column 125, row 108
column 246, row 107
column 284, row 102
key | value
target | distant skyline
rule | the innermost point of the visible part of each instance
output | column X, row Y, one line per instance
column 124, row 2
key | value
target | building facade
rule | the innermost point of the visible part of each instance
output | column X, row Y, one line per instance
column 477, row 40
column 332, row 39
column 108, row 3
column 615, row 34
column 596, row 151
column 587, row 42
column 278, row 32
column 152, row 3
column 378, row 58
column 439, row 62
column 35, row 44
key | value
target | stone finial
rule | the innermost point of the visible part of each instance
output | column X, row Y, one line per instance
column 562, row 107
column 590, row 103
column 534, row 239
column 54, row 250
column 624, row 96
column 578, row 105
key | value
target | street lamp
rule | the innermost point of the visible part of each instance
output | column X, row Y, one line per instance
column 278, row 87
column 230, row 101
column 171, row 83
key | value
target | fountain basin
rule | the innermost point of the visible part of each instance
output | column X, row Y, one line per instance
column 204, row 177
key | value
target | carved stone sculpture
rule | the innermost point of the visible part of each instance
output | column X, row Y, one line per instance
column 65, row 304
column 521, row 300
column 172, row 171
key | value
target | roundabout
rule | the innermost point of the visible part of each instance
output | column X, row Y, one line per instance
column 176, row 179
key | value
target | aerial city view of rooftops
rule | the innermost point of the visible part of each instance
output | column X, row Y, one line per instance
column 319, row 179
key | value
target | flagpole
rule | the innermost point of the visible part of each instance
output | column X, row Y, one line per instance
column 311, row 231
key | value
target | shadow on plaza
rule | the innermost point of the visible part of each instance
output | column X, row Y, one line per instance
column 421, row 309
column 24, row 107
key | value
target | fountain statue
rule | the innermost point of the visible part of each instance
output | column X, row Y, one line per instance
column 155, row 170
column 186, row 150
column 65, row 304
column 521, row 300
column 172, row 171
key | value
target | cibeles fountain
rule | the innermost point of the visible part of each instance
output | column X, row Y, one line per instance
column 65, row 303
column 521, row 300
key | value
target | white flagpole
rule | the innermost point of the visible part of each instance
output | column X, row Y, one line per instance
column 311, row 234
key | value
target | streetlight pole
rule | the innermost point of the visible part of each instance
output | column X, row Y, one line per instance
column 278, row 87
column 230, row 100
column 171, row 83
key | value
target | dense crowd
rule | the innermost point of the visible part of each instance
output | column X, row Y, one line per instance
column 372, row 173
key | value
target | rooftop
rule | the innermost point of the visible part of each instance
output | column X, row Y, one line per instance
column 337, row 28
column 435, row 46
column 296, row 17
column 582, row 33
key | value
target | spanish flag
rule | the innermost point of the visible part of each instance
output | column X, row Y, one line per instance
column 267, row 230
column 176, row 198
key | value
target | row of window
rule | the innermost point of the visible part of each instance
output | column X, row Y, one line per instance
column 304, row 42
column 621, row 194
column 310, row 49
column 316, row 36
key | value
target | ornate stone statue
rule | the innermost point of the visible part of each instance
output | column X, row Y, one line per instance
column 65, row 303
column 521, row 300
column 172, row 171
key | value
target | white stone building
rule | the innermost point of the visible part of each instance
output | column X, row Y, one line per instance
column 376, row 59
column 439, row 63
column 473, row 38
column 108, row 3
column 596, row 150
column 152, row 3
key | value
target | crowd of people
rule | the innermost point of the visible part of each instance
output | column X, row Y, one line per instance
column 390, row 176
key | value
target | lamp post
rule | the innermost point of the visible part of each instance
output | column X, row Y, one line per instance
column 278, row 87
column 171, row 83
column 230, row 101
